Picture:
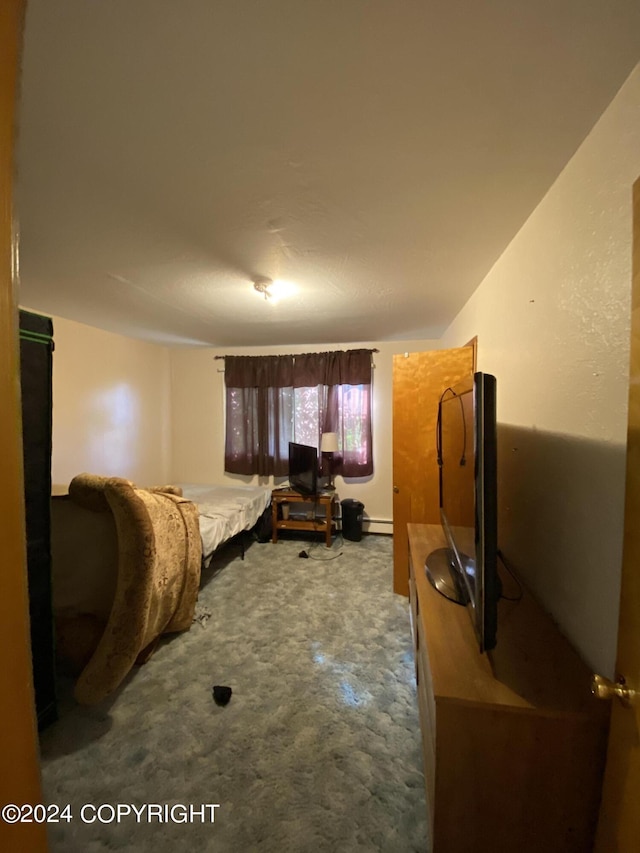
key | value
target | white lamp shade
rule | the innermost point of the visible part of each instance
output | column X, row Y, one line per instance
column 329, row 442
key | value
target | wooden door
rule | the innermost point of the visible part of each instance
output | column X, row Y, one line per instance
column 419, row 378
column 19, row 770
column 619, row 822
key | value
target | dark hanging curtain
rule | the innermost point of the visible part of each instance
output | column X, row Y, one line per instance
column 343, row 379
column 260, row 397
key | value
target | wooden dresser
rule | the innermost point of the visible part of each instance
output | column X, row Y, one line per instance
column 513, row 740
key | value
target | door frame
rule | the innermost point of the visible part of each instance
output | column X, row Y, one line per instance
column 19, row 756
column 619, row 818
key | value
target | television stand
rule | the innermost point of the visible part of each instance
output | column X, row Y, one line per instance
column 310, row 519
column 513, row 739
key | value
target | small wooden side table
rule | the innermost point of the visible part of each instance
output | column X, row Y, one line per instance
column 307, row 520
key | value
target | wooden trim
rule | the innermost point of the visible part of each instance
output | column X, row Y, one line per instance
column 19, row 767
column 473, row 343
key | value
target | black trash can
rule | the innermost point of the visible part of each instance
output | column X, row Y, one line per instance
column 352, row 519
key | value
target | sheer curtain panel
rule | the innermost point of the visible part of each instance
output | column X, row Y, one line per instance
column 259, row 422
column 342, row 380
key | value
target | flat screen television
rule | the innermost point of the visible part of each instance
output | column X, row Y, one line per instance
column 303, row 468
column 466, row 571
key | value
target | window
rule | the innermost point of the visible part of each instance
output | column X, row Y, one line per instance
column 354, row 414
column 307, row 428
column 355, row 407
column 272, row 400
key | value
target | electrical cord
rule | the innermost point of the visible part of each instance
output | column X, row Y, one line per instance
column 325, row 559
column 463, row 457
column 332, row 556
column 439, row 424
column 512, row 573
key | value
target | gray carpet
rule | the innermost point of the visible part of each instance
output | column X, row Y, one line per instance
column 319, row 747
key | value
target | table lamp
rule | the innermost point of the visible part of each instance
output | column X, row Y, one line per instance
column 329, row 445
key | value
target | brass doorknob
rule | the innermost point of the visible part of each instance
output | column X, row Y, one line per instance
column 396, row 490
column 603, row 688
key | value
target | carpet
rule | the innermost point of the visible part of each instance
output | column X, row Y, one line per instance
column 318, row 748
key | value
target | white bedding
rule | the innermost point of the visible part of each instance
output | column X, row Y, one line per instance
column 225, row 511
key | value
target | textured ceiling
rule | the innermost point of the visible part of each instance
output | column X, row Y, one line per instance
column 377, row 154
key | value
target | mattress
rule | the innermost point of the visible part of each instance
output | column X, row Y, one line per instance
column 225, row 511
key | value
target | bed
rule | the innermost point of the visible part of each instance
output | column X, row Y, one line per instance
column 225, row 511
column 126, row 567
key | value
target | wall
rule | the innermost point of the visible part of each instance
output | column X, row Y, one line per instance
column 198, row 422
column 553, row 320
column 127, row 408
column 111, row 402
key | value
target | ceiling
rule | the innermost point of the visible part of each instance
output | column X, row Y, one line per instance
column 379, row 155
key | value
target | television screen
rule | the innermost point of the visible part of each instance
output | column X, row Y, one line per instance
column 466, row 571
column 303, row 468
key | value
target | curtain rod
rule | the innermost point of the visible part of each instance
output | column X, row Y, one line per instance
column 218, row 357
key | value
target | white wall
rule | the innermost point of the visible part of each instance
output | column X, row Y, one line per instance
column 553, row 324
column 198, row 422
column 110, row 406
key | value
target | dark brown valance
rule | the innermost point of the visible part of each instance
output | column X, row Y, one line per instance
column 340, row 367
column 263, row 371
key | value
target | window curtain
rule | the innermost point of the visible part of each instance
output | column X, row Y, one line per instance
column 259, row 422
column 266, row 395
column 343, row 381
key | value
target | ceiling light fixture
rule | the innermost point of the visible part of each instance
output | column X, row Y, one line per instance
column 274, row 291
column 262, row 285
